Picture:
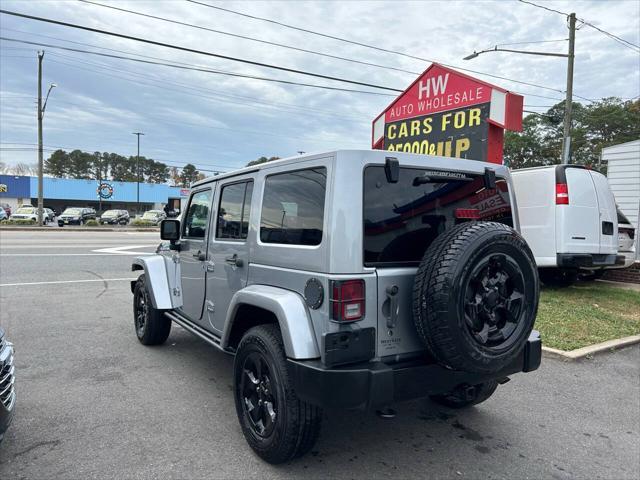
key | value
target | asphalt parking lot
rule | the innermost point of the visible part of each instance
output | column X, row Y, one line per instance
column 94, row 403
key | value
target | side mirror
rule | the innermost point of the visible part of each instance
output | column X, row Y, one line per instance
column 170, row 230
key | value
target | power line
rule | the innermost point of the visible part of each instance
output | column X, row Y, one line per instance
column 618, row 39
column 532, row 42
column 244, row 37
column 199, row 52
column 187, row 90
column 102, row 65
column 373, row 47
column 295, row 83
column 198, row 69
column 187, row 66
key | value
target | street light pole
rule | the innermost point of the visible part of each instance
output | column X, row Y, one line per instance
column 41, row 108
column 138, row 173
column 566, row 138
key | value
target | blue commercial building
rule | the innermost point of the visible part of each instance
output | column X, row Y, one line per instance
column 60, row 193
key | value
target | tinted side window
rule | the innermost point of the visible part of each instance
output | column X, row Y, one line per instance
column 293, row 207
column 197, row 217
column 234, row 211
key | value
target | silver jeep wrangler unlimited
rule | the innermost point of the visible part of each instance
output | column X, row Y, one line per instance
column 347, row 279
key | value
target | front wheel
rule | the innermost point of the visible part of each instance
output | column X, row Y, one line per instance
column 466, row 396
column 277, row 425
column 152, row 326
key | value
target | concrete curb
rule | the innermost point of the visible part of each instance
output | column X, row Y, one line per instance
column 579, row 353
column 79, row 229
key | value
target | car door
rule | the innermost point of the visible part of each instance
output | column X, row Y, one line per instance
column 578, row 223
column 608, row 214
column 193, row 253
column 228, row 248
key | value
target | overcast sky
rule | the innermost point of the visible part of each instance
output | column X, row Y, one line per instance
column 219, row 122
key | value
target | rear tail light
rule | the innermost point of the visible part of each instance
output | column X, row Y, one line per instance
column 347, row 300
column 470, row 213
column 562, row 194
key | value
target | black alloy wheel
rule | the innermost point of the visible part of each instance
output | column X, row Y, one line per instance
column 260, row 404
column 494, row 301
column 141, row 310
column 475, row 297
column 152, row 325
column 277, row 425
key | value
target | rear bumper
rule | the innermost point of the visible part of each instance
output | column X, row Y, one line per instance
column 376, row 384
column 589, row 260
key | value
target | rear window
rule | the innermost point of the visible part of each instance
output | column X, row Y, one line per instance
column 293, row 207
column 402, row 219
column 621, row 216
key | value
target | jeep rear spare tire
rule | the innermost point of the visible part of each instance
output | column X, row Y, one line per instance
column 475, row 296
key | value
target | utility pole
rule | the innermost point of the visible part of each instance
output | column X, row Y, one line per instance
column 41, row 109
column 138, row 173
column 566, row 138
column 40, row 153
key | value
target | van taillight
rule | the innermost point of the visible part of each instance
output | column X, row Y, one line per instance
column 562, row 194
column 347, row 300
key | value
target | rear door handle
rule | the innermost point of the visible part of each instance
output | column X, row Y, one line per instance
column 234, row 260
column 200, row 255
column 392, row 298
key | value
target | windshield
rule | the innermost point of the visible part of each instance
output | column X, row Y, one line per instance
column 72, row 211
column 402, row 219
column 110, row 213
column 26, row 210
column 151, row 214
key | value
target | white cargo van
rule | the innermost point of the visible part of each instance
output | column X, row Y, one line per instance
column 568, row 217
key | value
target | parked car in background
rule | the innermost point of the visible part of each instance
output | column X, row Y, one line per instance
column 154, row 216
column 3, row 214
column 55, row 211
column 25, row 205
column 626, row 248
column 7, row 393
column 114, row 217
column 7, row 208
column 29, row 213
column 51, row 215
column 568, row 217
column 76, row 216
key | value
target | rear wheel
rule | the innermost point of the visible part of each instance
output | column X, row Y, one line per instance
column 152, row 326
column 466, row 396
column 277, row 425
column 475, row 297
column 558, row 277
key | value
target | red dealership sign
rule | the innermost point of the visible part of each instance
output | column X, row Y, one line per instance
column 445, row 112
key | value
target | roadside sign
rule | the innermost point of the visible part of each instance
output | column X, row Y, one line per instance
column 445, row 112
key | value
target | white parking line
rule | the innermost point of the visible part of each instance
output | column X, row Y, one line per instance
column 67, row 281
column 112, row 254
column 124, row 250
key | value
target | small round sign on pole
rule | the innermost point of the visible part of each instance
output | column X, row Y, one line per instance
column 105, row 191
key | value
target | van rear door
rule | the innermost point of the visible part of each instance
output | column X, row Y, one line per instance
column 608, row 214
column 578, row 220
